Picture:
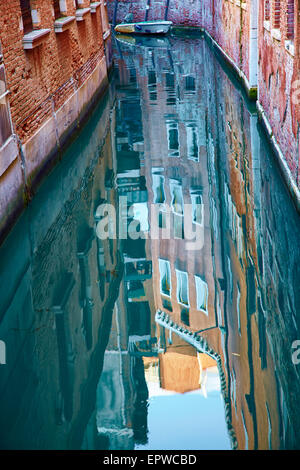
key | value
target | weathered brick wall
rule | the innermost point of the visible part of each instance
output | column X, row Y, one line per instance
column 228, row 22
column 34, row 76
column 188, row 14
column 51, row 88
column 279, row 87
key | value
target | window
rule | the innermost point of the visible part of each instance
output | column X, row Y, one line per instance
column 202, row 294
column 167, row 304
column 290, row 20
column 197, row 208
column 5, row 125
column 178, row 224
column 177, row 196
column 165, row 277
column 185, row 316
column 182, row 287
column 192, row 142
column 276, row 14
column 57, row 13
column 190, row 83
column 173, row 138
column 158, row 188
column 26, row 16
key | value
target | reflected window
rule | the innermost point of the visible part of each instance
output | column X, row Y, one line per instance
column 185, row 316
column 173, row 138
column 151, row 78
column 162, row 219
column 202, row 294
column 158, row 182
column 165, row 277
column 192, row 142
column 152, row 85
column 139, row 270
column 197, row 208
column 182, row 287
column 167, row 304
column 178, row 221
column 135, row 290
column 177, row 196
column 170, row 80
column 190, row 83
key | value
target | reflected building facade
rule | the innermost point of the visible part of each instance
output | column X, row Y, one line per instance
column 203, row 150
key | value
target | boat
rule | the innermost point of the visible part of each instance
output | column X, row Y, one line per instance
column 144, row 27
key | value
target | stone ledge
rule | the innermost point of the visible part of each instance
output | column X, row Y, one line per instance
column 35, row 38
column 290, row 47
column 94, row 6
column 276, row 34
column 63, row 23
column 285, row 171
column 80, row 14
column 106, row 34
column 8, row 153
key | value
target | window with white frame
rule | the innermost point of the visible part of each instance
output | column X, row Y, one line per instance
column 197, row 208
column 173, row 138
column 182, row 287
column 177, row 196
column 201, row 294
column 165, row 277
column 158, row 182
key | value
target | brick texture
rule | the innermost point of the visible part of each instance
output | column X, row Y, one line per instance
column 45, row 76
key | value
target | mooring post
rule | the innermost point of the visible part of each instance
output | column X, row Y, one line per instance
column 147, row 10
column 167, row 10
column 115, row 13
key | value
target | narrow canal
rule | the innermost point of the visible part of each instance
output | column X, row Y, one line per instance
column 149, row 294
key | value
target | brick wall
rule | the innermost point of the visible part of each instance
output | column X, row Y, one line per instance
column 56, row 67
column 278, row 76
column 173, row 10
column 51, row 80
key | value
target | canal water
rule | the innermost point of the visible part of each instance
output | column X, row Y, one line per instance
column 149, row 294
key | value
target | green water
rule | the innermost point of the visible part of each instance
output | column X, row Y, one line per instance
column 122, row 334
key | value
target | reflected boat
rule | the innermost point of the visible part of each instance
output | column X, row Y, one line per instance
column 144, row 41
column 144, row 27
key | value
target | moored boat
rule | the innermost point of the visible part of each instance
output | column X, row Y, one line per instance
column 144, row 27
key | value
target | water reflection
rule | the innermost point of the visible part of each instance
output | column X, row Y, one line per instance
column 152, row 342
